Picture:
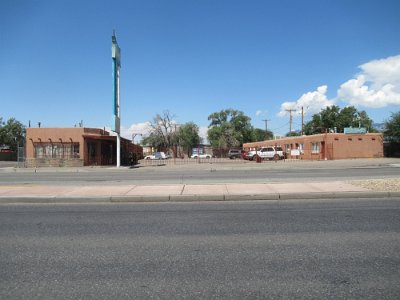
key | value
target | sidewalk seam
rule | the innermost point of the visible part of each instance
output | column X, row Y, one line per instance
column 134, row 187
column 183, row 188
column 226, row 189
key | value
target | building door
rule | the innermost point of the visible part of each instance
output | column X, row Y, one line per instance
column 323, row 151
column 91, row 153
column 107, row 153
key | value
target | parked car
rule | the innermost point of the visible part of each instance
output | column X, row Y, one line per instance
column 157, row 155
column 236, row 153
column 271, row 153
column 200, row 156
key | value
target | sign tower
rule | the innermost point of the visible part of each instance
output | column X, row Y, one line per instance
column 116, row 122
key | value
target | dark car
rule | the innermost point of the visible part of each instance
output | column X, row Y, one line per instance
column 235, row 153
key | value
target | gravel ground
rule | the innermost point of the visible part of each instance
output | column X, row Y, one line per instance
column 386, row 185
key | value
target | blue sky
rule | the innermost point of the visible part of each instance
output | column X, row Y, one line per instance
column 196, row 57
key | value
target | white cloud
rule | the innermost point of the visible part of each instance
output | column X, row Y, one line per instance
column 141, row 129
column 312, row 102
column 378, row 84
column 258, row 113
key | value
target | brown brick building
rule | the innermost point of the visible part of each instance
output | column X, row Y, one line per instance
column 327, row 146
column 75, row 147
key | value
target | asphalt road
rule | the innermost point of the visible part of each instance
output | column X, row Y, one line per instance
column 243, row 250
column 195, row 175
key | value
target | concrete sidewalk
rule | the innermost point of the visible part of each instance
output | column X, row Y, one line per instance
column 184, row 192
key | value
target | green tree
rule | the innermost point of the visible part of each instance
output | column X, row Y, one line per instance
column 330, row 116
column 314, row 126
column 229, row 128
column 293, row 133
column 2, row 133
column 351, row 117
column 188, row 137
column 153, row 140
column 392, row 128
column 333, row 117
column 262, row 135
column 365, row 121
column 12, row 133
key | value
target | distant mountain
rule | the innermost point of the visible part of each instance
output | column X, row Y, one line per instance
column 379, row 126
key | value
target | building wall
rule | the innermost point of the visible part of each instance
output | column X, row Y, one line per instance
column 357, row 145
column 102, row 145
column 45, row 136
column 327, row 146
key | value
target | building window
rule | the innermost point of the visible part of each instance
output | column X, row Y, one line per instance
column 301, row 148
column 315, row 147
column 57, row 150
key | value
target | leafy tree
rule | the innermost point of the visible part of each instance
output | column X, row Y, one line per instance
column 293, row 133
column 392, row 128
column 330, row 116
column 12, row 133
column 262, row 135
column 333, row 117
column 229, row 128
column 365, row 121
column 314, row 126
column 351, row 117
column 188, row 136
column 2, row 133
column 153, row 140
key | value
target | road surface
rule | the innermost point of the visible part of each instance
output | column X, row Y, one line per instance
column 328, row 249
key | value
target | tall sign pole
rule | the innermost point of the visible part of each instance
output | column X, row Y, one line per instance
column 116, row 123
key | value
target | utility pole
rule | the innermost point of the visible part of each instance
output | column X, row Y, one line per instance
column 266, row 128
column 266, row 125
column 291, row 118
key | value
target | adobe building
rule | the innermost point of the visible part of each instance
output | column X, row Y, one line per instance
column 76, row 147
column 327, row 146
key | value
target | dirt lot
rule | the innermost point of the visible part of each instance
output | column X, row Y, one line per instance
column 385, row 185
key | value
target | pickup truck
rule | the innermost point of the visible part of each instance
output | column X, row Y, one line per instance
column 271, row 153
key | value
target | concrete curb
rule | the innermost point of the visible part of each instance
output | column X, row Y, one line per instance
column 334, row 195
column 54, row 199
column 243, row 197
column 195, row 198
column 125, row 199
column 394, row 194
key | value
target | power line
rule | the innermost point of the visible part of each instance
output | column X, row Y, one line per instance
column 274, row 129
